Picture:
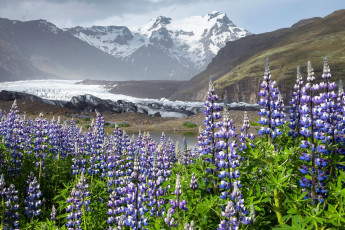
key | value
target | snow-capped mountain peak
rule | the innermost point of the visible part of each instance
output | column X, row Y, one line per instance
column 161, row 21
column 185, row 45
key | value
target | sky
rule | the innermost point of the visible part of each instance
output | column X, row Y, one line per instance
column 257, row 16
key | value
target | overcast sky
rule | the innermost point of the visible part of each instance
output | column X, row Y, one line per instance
column 256, row 16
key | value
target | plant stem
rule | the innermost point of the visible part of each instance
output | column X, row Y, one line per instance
column 313, row 168
column 57, row 173
column 316, row 227
column 84, row 218
column 277, row 206
column 3, row 213
column 40, row 172
column 178, row 211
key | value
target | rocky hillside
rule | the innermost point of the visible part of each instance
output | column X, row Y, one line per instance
column 39, row 49
column 159, row 50
column 238, row 67
column 165, row 48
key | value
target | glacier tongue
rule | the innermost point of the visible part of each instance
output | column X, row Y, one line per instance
column 88, row 97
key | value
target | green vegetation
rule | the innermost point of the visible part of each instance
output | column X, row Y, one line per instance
column 123, row 124
column 189, row 124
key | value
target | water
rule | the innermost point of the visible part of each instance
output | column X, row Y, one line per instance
column 191, row 137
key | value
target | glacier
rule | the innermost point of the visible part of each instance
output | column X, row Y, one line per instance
column 69, row 90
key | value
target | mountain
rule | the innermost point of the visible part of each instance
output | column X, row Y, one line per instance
column 165, row 48
column 238, row 68
column 39, row 49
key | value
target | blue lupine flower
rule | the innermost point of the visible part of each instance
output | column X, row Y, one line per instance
column 11, row 208
column 32, row 201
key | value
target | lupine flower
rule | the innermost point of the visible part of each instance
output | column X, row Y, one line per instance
column 307, row 120
column 11, row 208
column 136, row 207
column 212, row 114
column 245, row 133
column 169, row 219
column 112, row 210
column 177, row 204
column 13, row 139
column 53, row 214
column 190, row 226
column 32, row 201
column 235, row 212
column 79, row 161
column 295, row 116
column 96, row 139
column 272, row 112
column 155, row 190
column 40, row 143
column 193, row 182
column 74, row 210
column 78, row 204
column 227, row 157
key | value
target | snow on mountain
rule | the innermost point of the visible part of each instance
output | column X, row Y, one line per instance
column 184, row 46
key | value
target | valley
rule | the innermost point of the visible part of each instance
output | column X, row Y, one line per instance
column 112, row 120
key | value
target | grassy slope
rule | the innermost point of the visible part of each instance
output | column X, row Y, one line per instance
column 287, row 48
column 324, row 38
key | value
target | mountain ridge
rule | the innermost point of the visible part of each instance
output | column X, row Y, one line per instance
column 238, row 67
column 38, row 49
column 50, row 52
column 188, row 43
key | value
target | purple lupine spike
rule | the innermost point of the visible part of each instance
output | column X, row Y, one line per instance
column 112, row 210
column 193, row 182
column 295, row 103
column 185, row 154
column 235, row 212
column 11, row 208
column 327, row 130
column 32, row 201
column 78, row 204
column 178, row 154
column 120, row 221
column 178, row 204
column 245, row 133
column 40, row 143
column 53, row 214
column 272, row 112
column 96, row 138
column 340, row 118
column 13, row 139
column 74, row 210
column 178, row 190
column 136, row 191
column 169, row 219
column 307, row 111
column 227, row 155
column 155, row 190
column 212, row 114
column 190, row 226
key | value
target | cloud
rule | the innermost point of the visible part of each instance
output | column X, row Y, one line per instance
column 254, row 15
column 86, row 12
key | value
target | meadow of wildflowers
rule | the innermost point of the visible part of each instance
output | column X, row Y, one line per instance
column 289, row 175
